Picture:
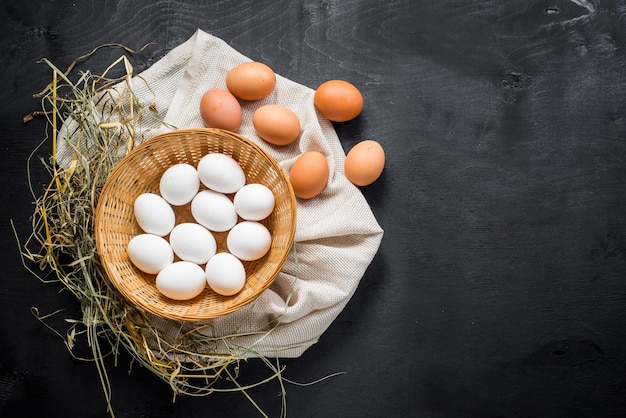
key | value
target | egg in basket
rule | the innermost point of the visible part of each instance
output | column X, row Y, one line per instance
column 258, row 246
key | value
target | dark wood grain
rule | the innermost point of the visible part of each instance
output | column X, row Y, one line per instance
column 500, row 286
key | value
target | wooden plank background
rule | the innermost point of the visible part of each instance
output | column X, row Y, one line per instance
column 500, row 286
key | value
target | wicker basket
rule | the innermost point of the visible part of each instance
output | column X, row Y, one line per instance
column 140, row 172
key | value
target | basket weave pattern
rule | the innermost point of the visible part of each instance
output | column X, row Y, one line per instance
column 140, row 172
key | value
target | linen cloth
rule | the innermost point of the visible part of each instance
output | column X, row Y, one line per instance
column 337, row 235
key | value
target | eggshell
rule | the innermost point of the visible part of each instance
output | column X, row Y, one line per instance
column 153, row 214
column 225, row 274
column 249, row 241
column 181, row 280
column 365, row 162
column 276, row 124
column 213, row 210
column 150, row 253
column 179, row 184
column 338, row 100
column 221, row 173
column 251, row 80
column 220, row 109
column 254, row 202
column 309, row 174
column 192, row 242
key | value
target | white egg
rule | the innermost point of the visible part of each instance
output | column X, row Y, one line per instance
column 249, row 240
column 150, row 253
column 221, row 173
column 153, row 214
column 225, row 274
column 179, row 184
column 193, row 242
column 213, row 210
column 181, row 280
column 254, row 202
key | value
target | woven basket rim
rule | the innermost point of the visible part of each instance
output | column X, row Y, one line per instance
column 199, row 308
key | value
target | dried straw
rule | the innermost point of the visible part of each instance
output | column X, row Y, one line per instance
column 62, row 241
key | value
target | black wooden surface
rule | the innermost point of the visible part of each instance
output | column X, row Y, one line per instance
column 500, row 286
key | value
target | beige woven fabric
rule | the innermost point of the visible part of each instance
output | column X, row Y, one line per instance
column 337, row 235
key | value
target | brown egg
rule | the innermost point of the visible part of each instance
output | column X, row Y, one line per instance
column 276, row 124
column 365, row 162
column 338, row 100
column 220, row 109
column 251, row 80
column 309, row 174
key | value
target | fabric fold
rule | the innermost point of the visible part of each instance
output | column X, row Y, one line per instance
column 337, row 235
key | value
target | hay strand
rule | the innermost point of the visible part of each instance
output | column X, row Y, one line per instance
column 101, row 115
